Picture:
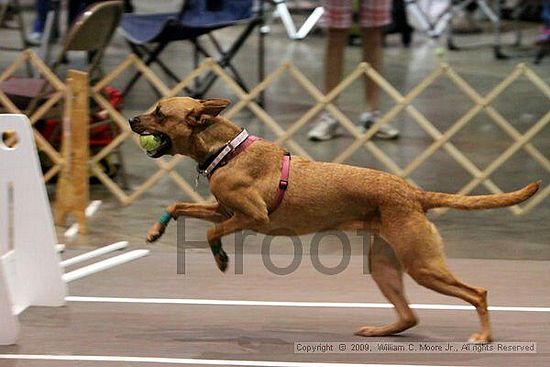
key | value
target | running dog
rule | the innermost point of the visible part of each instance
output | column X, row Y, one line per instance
column 258, row 186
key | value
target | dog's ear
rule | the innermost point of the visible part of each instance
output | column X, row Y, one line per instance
column 214, row 106
column 209, row 109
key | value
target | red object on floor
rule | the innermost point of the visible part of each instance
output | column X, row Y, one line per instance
column 100, row 135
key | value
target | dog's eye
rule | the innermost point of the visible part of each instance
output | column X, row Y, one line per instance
column 158, row 114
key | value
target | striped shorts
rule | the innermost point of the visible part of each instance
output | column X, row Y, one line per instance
column 372, row 13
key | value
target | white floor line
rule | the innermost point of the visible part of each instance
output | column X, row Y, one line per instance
column 212, row 362
column 218, row 302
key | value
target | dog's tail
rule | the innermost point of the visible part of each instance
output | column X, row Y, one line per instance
column 431, row 200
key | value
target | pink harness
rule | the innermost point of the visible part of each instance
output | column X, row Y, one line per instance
column 235, row 147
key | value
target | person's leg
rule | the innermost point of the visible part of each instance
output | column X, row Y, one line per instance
column 545, row 14
column 41, row 7
column 337, row 18
column 543, row 38
column 374, row 15
column 334, row 57
column 372, row 54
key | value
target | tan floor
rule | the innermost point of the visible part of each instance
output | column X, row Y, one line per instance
column 268, row 333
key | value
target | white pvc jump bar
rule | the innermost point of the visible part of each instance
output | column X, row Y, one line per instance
column 91, row 209
column 95, row 253
column 103, row 265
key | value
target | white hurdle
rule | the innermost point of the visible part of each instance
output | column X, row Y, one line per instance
column 31, row 273
column 294, row 34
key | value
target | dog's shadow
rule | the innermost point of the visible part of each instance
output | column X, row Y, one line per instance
column 269, row 340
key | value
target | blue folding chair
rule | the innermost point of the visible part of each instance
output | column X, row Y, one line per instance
column 149, row 34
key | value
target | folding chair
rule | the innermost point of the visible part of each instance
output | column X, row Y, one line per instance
column 149, row 34
column 293, row 33
column 91, row 32
column 435, row 26
column 12, row 7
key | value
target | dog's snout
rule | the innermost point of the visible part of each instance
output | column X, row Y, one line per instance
column 134, row 121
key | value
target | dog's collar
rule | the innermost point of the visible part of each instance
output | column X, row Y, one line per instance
column 218, row 159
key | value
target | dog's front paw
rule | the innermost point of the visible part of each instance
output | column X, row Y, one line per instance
column 222, row 260
column 155, row 232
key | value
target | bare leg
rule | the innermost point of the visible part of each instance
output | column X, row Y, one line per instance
column 387, row 273
column 372, row 54
column 334, row 57
column 210, row 212
column 418, row 246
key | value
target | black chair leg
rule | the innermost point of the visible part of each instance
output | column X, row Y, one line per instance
column 225, row 60
column 204, row 84
column 151, row 56
column 261, row 52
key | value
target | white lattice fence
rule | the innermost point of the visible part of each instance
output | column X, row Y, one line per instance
column 284, row 135
column 40, row 107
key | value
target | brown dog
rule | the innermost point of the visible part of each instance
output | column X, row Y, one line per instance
column 320, row 196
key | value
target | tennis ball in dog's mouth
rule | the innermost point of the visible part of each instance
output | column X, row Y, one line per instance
column 149, row 142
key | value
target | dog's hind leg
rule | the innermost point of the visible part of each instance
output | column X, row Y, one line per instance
column 388, row 274
column 417, row 245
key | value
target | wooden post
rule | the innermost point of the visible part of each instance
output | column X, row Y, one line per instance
column 72, row 191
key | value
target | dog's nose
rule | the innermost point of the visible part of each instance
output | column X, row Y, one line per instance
column 134, row 121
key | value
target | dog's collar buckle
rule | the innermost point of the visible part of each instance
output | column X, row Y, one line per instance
column 228, row 149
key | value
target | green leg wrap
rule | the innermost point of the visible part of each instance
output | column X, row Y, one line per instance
column 165, row 218
column 216, row 249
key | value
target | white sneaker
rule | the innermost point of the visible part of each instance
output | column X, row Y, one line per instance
column 34, row 38
column 387, row 132
column 326, row 128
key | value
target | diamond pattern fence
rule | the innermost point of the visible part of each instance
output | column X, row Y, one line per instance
column 480, row 176
column 39, row 109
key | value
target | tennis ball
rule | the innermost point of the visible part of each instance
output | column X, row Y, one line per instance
column 149, row 142
column 440, row 52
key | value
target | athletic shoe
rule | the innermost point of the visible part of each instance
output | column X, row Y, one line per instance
column 34, row 38
column 326, row 128
column 387, row 132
